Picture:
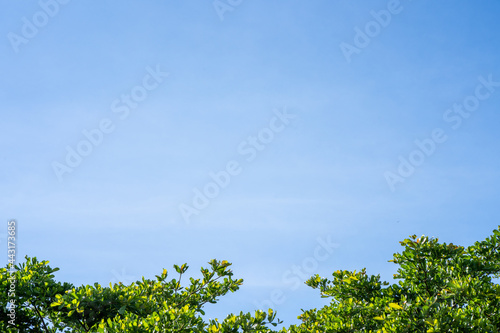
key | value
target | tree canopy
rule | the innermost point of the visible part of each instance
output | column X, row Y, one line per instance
column 439, row 288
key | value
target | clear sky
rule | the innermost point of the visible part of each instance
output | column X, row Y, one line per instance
column 287, row 137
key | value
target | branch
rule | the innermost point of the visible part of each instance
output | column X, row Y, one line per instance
column 41, row 318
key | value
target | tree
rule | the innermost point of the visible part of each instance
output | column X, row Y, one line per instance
column 441, row 288
column 43, row 305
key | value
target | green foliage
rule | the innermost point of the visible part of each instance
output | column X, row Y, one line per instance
column 35, row 289
column 143, row 306
column 440, row 288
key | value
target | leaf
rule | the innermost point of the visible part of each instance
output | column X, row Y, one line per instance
column 395, row 306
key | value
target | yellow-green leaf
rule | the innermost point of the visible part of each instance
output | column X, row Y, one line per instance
column 395, row 306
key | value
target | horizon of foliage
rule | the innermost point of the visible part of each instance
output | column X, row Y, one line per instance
column 441, row 288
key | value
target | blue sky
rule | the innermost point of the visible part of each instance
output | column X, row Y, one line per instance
column 309, row 112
